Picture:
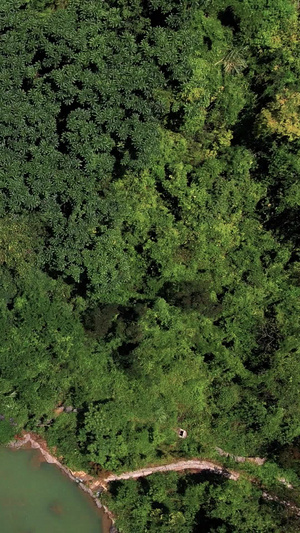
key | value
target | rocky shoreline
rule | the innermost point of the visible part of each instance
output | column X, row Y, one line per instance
column 93, row 485
column 86, row 482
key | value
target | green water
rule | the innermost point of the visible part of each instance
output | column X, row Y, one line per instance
column 37, row 498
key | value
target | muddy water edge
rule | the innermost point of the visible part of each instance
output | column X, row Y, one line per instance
column 42, row 455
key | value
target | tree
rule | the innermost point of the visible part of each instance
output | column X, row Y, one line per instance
column 282, row 116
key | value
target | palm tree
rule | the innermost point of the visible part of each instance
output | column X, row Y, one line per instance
column 233, row 61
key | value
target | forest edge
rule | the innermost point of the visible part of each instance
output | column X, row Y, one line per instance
column 94, row 485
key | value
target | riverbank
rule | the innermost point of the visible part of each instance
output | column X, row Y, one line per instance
column 93, row 485
column 31, row 440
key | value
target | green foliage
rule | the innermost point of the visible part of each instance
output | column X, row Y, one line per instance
column 172, row 503
column 7, row 432
column 46, row 5
column 149, row 243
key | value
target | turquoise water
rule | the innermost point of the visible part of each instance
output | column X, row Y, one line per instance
column 36, row 497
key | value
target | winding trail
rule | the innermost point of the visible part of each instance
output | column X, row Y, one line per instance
column 196, row 465
column 95, row 485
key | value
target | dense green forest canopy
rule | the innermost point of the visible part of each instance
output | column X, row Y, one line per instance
column 149, row 230
column 203, row 503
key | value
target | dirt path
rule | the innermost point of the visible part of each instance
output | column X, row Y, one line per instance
column 92, row 484
column 196, row 466
column 192, row 464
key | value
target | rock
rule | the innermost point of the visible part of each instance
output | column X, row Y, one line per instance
column 59, row 410
column 113, row 529
column 285, row 482
column 257, row 460
column 69, row 409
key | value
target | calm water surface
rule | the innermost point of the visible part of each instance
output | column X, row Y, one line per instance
column 36, row 497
